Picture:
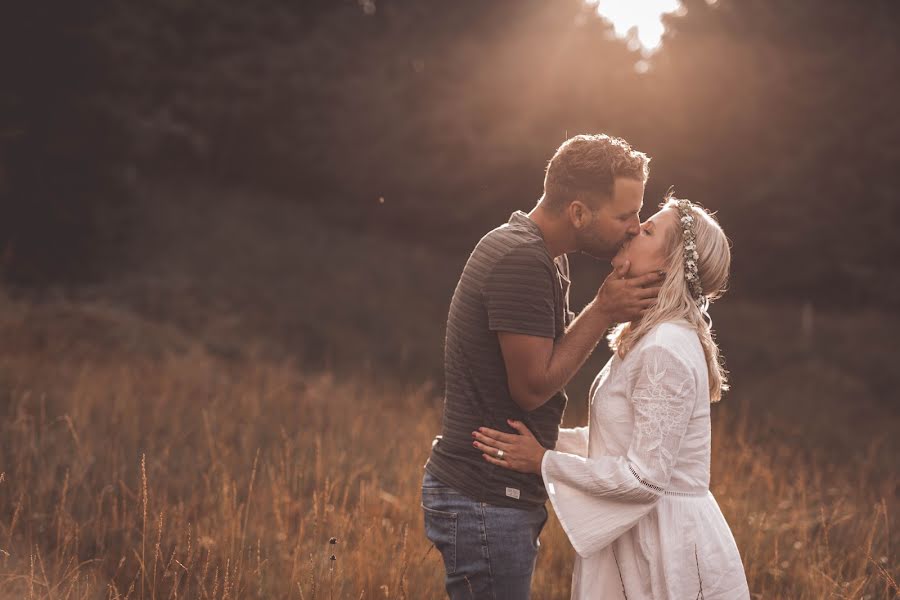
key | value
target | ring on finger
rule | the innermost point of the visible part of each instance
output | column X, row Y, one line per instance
column 500, row 454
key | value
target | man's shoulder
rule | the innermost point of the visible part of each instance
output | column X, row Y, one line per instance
column 512, row 243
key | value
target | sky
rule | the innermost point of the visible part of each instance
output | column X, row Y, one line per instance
column 644, row 16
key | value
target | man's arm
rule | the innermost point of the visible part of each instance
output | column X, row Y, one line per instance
column 538, row 367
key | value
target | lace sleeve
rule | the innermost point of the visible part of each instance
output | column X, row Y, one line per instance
column 663, row 396
column 598, row 499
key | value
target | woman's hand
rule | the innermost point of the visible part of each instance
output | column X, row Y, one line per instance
column 520, row 452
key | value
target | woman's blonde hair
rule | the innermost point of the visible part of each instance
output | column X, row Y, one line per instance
column 675, row 300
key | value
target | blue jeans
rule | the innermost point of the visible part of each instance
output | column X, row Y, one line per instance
column 489, row 551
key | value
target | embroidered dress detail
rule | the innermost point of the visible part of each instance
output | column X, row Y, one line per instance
column 659, row 409
column 656, row 488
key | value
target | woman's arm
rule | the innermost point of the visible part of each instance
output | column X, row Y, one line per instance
column 573, row 441
column 663, row 398
column 583, row 490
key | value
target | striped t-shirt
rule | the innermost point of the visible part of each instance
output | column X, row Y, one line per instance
column 510, row 283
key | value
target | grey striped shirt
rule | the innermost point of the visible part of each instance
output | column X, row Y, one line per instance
column 510, row 283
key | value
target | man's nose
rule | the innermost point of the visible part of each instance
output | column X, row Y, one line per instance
column 634, row 229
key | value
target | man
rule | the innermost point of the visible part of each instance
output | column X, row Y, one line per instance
column 512, row 345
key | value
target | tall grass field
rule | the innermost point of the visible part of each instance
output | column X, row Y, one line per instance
column 150, row 449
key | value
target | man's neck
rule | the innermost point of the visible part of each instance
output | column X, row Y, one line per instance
column 553, row 230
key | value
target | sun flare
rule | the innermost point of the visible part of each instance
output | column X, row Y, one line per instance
column 643, row 16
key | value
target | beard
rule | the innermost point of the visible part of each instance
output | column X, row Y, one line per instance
column 596, row 246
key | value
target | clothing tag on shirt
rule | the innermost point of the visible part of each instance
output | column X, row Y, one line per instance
column 512, row 493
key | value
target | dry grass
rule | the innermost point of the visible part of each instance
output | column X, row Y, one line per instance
column 190, row 478
column 177, row 474
column 147, row 450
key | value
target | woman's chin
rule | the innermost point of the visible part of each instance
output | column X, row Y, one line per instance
column 618, row 260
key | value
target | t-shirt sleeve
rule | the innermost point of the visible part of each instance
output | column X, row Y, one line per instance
column 518, row 294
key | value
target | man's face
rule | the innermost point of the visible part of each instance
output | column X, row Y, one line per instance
column 603, row 231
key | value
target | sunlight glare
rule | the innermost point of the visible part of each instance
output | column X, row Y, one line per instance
column 644, row 16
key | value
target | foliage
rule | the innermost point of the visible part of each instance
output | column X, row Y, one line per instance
column 62, row 143
column 782, row 118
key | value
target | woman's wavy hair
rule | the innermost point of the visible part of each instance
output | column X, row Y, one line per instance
column 675, row 300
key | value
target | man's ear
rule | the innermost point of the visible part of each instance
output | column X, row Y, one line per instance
column 579, row 214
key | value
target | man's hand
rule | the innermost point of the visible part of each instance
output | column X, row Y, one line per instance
column 622, row 299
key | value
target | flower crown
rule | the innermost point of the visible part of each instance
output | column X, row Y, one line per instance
column 689, row 239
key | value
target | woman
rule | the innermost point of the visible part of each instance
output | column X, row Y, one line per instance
column 631, row 489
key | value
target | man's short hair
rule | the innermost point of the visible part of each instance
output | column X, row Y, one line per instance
column 585, row 167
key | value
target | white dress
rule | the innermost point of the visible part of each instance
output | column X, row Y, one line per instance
column 631, row 489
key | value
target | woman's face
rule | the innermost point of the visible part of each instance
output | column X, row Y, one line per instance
column 647, row 250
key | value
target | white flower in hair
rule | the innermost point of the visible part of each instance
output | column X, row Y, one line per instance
column 691, row 255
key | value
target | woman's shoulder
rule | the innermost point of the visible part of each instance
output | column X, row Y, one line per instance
column 678, row 337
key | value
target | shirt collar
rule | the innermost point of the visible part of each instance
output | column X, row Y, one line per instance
column 521, row 219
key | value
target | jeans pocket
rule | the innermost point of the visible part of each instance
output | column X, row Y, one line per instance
column 537, row 533
column 440, row 529
column 513, row 537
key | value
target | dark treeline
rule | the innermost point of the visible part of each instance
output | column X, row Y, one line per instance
column 781, row 115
